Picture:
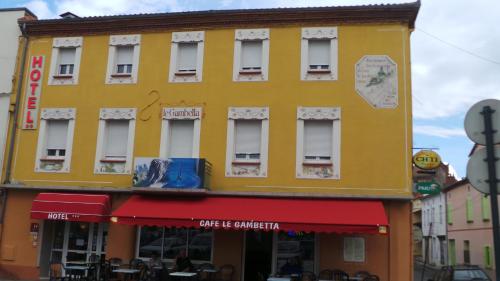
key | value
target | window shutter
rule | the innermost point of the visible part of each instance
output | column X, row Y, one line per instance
column 116, row 138
column 449, row 213
column 469, row 210
column 485, row 207
column 487, row 256
column 67, row 55
column 181, row 138
column 186, row 60
column 56, row 134
column 251, row 54
column 452, row 252
column 318, row 138
column 124, row 54
column 319, row 53
column 247, row 136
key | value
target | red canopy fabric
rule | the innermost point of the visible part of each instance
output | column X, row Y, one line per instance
column 71, row 207
column 244, row 213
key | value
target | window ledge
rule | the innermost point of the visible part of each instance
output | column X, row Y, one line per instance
column 52, row 159
column 185, row 73
column 119, row 75
column 319, row 71
column 250, row 72
column 62, row 76
column 317, row 164
column 113, row 160
column 256, row 163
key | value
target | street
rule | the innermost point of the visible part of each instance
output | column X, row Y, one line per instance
column 417, row 272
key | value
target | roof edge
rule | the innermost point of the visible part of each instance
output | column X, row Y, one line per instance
column 26, row 10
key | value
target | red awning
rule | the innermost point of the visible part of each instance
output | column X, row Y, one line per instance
column 276, row 214
column 71, row 207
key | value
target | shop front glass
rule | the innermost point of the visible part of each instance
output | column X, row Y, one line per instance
column 295, row 252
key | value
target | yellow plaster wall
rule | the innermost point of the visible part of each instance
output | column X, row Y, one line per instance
column 375, row 143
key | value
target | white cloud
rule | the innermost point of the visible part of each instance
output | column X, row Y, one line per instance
column 40, row 8
column 436, row 131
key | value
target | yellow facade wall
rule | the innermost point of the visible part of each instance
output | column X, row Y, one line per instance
column 375, row 143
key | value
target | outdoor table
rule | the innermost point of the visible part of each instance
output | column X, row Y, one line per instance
column 79, row 268
column 355, row 278
column 126, row 271
column 210, row 272
column 279, row 279
column 183, row 275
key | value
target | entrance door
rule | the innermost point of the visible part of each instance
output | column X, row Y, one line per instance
column 258, row 255
column 76, row 241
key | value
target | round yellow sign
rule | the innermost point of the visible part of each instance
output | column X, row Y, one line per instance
column 426, row 159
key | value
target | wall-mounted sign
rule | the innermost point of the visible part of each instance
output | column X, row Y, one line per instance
column 33, row 90
column 377, row 81
column 428, row 187
column 426, row 159
column 34, row 228
column 171, row 173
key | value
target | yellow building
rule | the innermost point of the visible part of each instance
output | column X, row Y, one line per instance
column 301, row 118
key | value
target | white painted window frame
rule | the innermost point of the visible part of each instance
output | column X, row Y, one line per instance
column 197, row 37
column 319, row 33
column 165, row 128
column 352, row 239
column 57, row 45
column 247, row 113
column 115, row 114
column 116, row 41
column 242, row 35
column 55, row 114
column 318, row 113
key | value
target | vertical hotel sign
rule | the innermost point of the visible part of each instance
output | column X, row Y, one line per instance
column 33, row 90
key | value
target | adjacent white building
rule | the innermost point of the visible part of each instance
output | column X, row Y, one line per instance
column 11, row 32
column 434, row 229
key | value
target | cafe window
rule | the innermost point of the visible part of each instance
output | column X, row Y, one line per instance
column 55, row 140
column 247, row 140
column 318, row 142
column 295, row 250
column 123, row 59
column 251, row 55
column 65, row 60
column 167, row 243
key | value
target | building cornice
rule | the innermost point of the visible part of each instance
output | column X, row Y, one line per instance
column 391, row 13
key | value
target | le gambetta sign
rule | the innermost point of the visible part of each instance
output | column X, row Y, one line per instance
column 33, row 90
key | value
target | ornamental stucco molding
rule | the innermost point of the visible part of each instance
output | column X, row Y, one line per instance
column 117, row 114
column 252, row 34
column 318, row 113
column 124, row 40
column 251, row 113
column 58, row 113
column 67, row 42
column 193, row 36
column 182, row 113
column 319, row 33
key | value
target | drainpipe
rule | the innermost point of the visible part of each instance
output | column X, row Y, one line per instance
column 8, row 169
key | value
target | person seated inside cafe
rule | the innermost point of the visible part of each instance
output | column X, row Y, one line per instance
column 292, row 266
column 182, row 262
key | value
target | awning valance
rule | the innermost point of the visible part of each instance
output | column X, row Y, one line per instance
column 251, row 213
column 71, row 207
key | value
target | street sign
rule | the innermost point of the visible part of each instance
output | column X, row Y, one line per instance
column 428, row 187
column 477, row 170
column 474, row 121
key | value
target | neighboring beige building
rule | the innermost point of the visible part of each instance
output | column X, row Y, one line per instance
column 470, row 237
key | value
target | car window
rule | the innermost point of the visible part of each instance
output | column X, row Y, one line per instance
column 469, row 274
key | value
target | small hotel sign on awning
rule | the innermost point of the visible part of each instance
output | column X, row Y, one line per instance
column 33, row 90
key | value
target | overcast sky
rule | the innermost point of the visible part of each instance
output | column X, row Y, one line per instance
column 455, row 55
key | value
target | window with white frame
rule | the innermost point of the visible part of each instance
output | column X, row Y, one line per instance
column 180, row 135
column 115, row 141
column 65, row 61
column 319, row 53
column 318, row 142
column 354, row 249
column 251, row 55
column 123, row 59
column 186, row 56
column 55, row 140
column 247, row 141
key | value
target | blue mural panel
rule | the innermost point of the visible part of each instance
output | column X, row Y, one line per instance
column 171, row 173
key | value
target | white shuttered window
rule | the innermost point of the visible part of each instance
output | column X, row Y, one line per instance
column 66, row 60
column 251, row 55
column 247, row 139
column 124, row 57
column 181, row 138
column 56, row 137
column 319, row 54
column 116, row 139
column 318, row 140
column 186, row 61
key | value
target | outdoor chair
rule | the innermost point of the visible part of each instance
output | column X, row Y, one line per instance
column 206, row 276
column 339, row 275
column 371, row 278
column 308, row 276
column 362, row 274
column 55, row 271
column 225, row 273
column 325, row 274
